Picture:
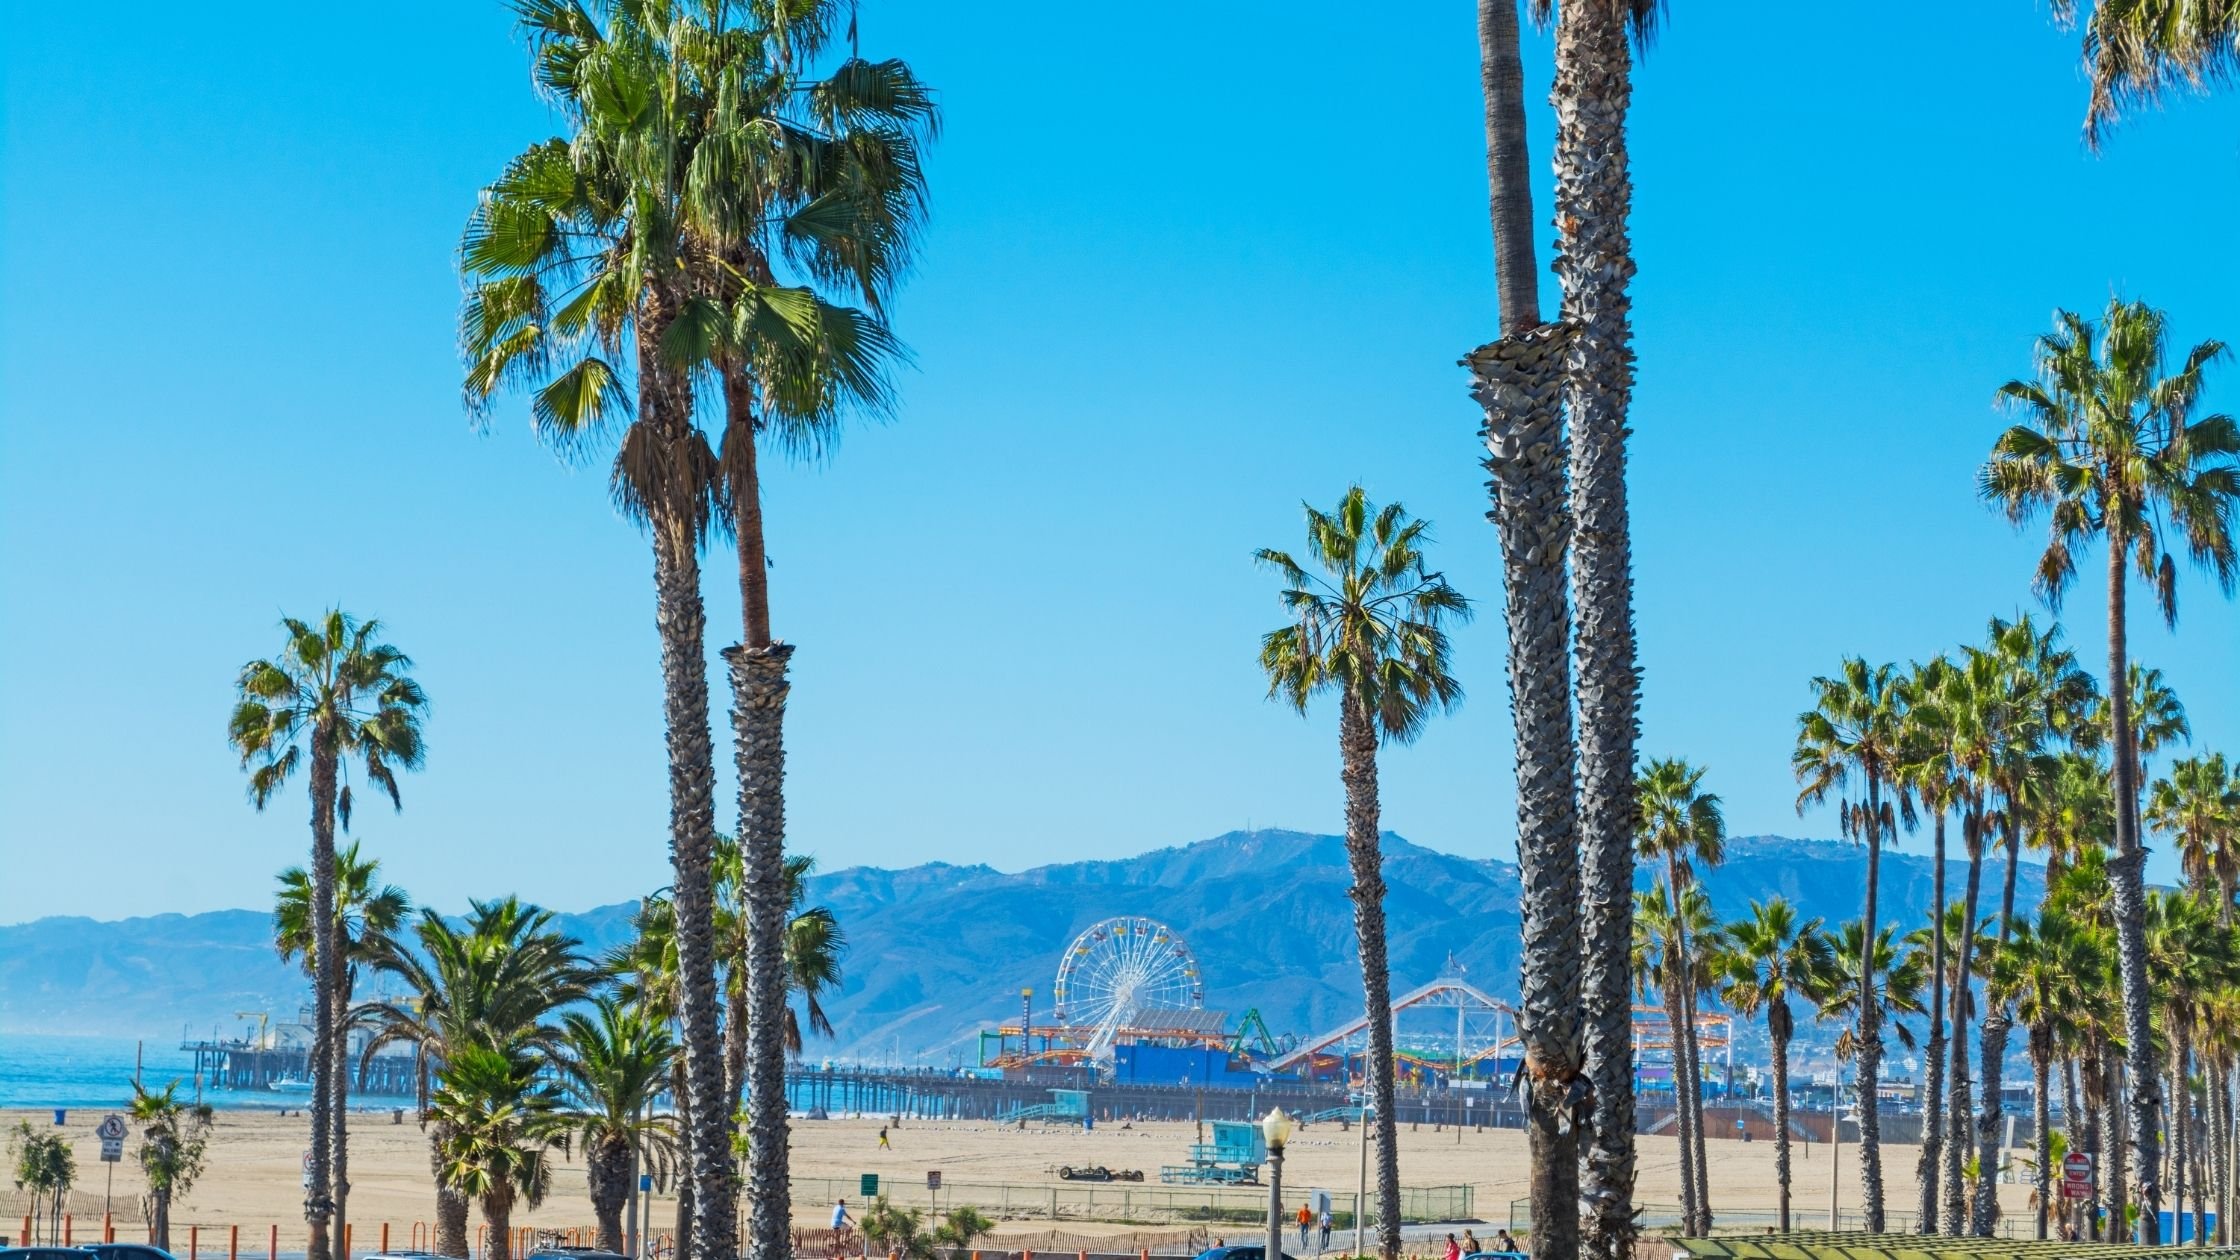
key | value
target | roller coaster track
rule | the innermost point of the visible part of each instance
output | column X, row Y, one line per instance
column 1448, row 993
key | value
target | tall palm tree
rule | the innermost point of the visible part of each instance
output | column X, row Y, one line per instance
column 366, row 913
column 578, row 288
column 335, row 695
column 1680, row 826
column 500, row 1124
column 1518, row 380
column 2137, row 51
column 1593, row 197
column 616, row 1062
column 1661, row 921
column 2111, row 448
column 1928, row 774
column 1372, row 628
column 817, row 174
column 2198, row 807
column 1771, row 957
column 495, row 981
column 1856, row 731
column 2083, row 894
column 2043, row 970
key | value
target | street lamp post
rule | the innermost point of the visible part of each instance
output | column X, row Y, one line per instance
column 1276, row 1128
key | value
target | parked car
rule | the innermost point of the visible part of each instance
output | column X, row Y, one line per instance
column 124, row 1251
column 573, row 1253
column 1495, row 1255
column 41, row 1253
column 1234, row 1253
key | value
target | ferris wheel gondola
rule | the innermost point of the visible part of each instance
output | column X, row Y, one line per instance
column 1116, row 970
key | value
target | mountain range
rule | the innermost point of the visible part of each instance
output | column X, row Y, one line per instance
column 939, row 951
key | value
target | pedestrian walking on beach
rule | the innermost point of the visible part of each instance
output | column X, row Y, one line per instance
column 1324, row 1221
column 1454, row 1249
column 1469, row 1242
column 1503, row 1242
column 1306, row 1217
column 884, row 1145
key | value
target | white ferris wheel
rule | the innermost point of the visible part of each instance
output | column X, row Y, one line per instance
column 1119, row 968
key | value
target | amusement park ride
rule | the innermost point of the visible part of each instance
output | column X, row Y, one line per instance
column 1129, row 1000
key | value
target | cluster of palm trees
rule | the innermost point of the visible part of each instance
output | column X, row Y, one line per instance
column 526, row 1047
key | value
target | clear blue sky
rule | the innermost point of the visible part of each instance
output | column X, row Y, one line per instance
column 1180, row 275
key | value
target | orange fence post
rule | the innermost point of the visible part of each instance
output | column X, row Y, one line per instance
column 481, row 1233
column 347, row 1227
column 194, row 1241
column 272, row 1244
column 25, row 1241
column 384, row 1235
column 233, row 1242
column 66, row 1228
column 108, row 1228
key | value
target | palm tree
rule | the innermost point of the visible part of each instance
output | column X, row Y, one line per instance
column 578, row 287
column 500, row 1125
column 1897, row 974
column 174, row 1134
column 2082, row 894
column 1373, row 630
column 822, row 174
column 341, row 693
column 1681, row 825
column 812, row 948
column 1594, row 264
column 1518, row 380
column 1930, row 775
column 1856, row 729
column 366, row 911
column 2111, row 448
column 2190, row 957
column 1661, row 921
column 1771, row 957
column 2044, row 971
column 616, row 1062
column 2198, row 807
column 2136, row 51
column 493, row 982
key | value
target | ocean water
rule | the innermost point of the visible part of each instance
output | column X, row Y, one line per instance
column 37, row 1070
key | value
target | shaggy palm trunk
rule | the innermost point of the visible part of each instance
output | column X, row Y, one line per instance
column 340, row 1122
column 2181, row 1130
column 1683, row 1120
column 2128, row 886
column 1685, row 1034
column 1932, row 1110
column 1594, row 261
column 1959, row 1127
column 2118, row 1183
column 1517, row 380
column 606, row 1167
column 1780, row 1026
column 497, row 1220
column 2041, row 1068
column 2093, row 1083
column 682, row 1096
column 1998, row 1023
column 159, row 1218
column 758, row 690
column 2220, row 1142
column 1357, row 749
column 318, row 1202
column 1870, row 1020
column 452, row 1207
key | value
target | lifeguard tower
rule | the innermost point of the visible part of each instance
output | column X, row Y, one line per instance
column 1232, row 1158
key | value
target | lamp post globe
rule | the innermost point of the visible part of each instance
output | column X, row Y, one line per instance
column 1276, row 1128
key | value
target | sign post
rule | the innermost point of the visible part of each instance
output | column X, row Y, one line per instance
column 111, row 1132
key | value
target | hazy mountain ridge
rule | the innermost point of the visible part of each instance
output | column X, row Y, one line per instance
column 939, row 950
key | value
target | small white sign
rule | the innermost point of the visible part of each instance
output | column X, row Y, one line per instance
column 112, row 1150
column 111, row 1129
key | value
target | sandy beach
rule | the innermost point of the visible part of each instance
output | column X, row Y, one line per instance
column 253, row 1176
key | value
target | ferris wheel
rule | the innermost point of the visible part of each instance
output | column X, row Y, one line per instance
column 1118, row 968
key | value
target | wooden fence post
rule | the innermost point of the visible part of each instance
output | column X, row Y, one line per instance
column 272, row 1244
column 384, row 1235
column 25, row 1241
column 233, row 1242
column 194, row 1242
column 66, row 1227
column 347, row 1227
column 108, row 1228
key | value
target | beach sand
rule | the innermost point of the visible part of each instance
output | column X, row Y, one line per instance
column 253, row 1177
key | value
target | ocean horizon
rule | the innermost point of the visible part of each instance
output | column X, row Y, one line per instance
column 54, row 1070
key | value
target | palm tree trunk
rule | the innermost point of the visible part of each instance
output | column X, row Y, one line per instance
column 2181, row 1128
column 1357, row 749
column 759, row 688
column 452, row 1207
column 159, row 1219
column 683, row 624
column 1688, row 1054
column 2041, row 1067
column 2094, row 1082
column 2128, row 882
column 497, row 1215
column 2118, row 1181
column 1997, row 1024
column 1870, row 1021
column 1594, row 261
column 1508, row 166
column 340, row 1121
column 682, row 1098
column 318, row 1202
column 2220, row 1142
column 606, row 1168
column 1683, row 1119
column 1959, row 1121
column 1932, row 1110
column 1778, row 1022
column 1517, row 381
